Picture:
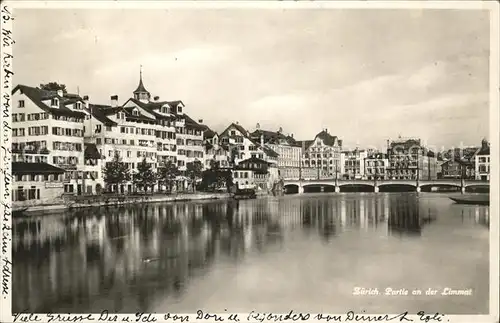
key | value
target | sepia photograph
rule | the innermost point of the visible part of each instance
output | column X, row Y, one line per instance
column 252, row 159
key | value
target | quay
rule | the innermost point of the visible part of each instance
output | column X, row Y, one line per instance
column 95, row 201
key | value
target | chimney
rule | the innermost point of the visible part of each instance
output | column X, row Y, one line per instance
column 237, row 123
column 114, row 100
column 60, row 93
column 200, row 120
column 86, row 101
column 257, row 126
column 157, row 98
column 291, row 135
column 262, row 140
column 326, row 130
column 280, row 130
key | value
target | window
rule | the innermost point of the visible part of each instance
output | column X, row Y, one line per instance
column 54, row 102
column 179, row 109
column 78, row 105
column 135, row 112
column 21, row 104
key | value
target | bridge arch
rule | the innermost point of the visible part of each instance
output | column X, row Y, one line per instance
column 318, row 187
column 291, row 188
column 440, row 187
column 397, row 187
column 477, row 187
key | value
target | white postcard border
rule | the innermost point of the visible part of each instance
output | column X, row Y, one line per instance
column 5, row 133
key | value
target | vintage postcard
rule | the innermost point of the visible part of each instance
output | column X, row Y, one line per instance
column 256, row 161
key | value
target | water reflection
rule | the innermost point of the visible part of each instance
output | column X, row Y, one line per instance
column 123, row 259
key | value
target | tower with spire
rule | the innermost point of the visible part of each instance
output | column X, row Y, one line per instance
column 141, row 93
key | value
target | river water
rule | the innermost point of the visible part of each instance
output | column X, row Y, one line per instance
column 303, row 252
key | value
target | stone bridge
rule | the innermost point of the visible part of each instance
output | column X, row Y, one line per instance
column 337, row 184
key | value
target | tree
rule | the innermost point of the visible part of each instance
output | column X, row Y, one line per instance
column 116, row 172
column 167, row 174
column 215, row 177
column 54, row 86
column 193, row 172
column 144, row 177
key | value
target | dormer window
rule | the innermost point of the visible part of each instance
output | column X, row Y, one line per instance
column 135, row 112
column 179, row 109
column 54, row 102
column 78, row 105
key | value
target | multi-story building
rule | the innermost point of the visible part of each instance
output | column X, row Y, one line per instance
column 482, row 161
column 376, row 166
column 352, row 163
column 321, row 156
column 289, row 151
column 92, row 179
column 48, row 128
column 214, row 150
column 36, row 183
column 456, row 168
column 409, row 159
column 241, row 146
column 255, row 173
column 158, row 131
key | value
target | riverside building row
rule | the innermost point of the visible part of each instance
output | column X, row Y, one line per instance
column 61, row 142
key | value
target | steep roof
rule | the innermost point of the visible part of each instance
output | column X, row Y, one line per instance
column 243, row 131
column 35, row 168
column 406, row 143
column 327, row 139
column 140, row 87
column 193, row 124
column 484, row 151
column 91, row 151
column 37, row 96
column 100, row 113
column 268, row 151
column 273, row 137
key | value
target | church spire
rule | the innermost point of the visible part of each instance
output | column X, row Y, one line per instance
column 141, row 93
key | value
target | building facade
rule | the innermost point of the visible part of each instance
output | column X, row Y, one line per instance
column 352, row 163
column 321, row 157
column 288, row 149
column 36, row 183
column 48, row 127
column 482, row 162
column 241, row 146
column 457, row 169
column 255, row 173
column 409, row 159
column 141, row 128
column 376, row 166
column 214, row 150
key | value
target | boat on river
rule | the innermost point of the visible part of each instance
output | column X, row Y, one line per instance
column 472, row 199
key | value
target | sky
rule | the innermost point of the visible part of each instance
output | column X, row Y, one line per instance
column 365, row 75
